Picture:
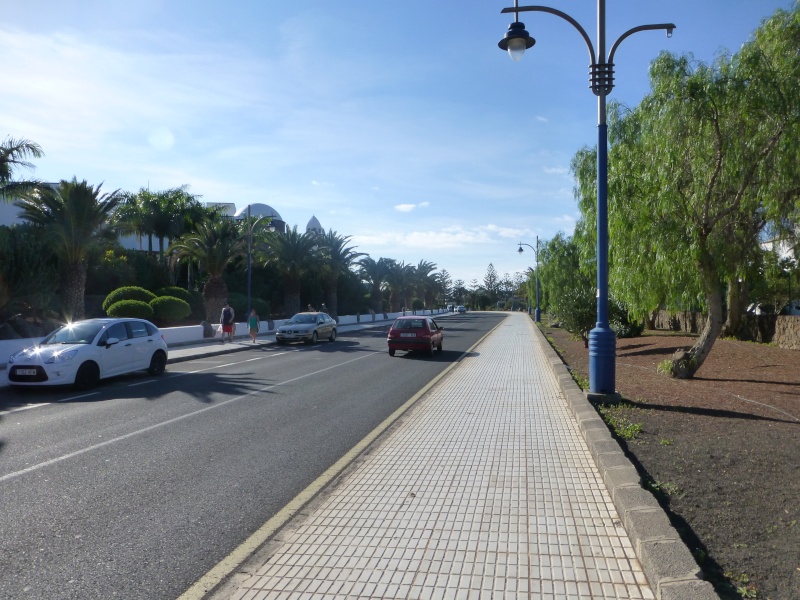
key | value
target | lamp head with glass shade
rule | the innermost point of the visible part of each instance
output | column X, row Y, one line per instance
column 516, row 40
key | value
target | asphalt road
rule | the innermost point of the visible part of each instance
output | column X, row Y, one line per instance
column 138, row 488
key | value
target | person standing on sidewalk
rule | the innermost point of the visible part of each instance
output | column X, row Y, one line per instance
column 226, row 320
column 253, row 323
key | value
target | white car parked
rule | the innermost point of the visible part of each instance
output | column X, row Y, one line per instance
column 84, row 352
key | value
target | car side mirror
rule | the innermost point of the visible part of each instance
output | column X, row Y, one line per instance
column 111, row 341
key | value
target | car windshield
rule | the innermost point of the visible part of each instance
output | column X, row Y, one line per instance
column 409, row 324
column 74, row 333
column 302, row 319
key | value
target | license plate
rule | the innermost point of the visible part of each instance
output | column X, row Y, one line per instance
column 408, row 335
column 26, row 371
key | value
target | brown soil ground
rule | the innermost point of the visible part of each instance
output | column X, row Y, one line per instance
column 720, row 451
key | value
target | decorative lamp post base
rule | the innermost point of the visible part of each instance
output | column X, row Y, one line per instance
column 537, row 316
column 602, row 358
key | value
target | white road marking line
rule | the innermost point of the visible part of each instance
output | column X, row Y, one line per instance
column 120, row 438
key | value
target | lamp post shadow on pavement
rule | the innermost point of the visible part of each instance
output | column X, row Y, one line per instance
column 602, row 339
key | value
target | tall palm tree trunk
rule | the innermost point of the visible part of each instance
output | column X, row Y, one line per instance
column 73, row 287
column 333, row 303
column 215, row 293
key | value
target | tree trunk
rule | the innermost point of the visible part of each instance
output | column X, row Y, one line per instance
column 332, row 298
column 291, row 303
column 73, row 288
column 686, row 363
column 377, row 299
column 394, row 302
column 737, row 297
column 333, row 303
column 215, row 292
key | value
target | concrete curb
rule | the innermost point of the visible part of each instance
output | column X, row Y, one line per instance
column 668, row 565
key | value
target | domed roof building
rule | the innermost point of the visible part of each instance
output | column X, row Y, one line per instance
column 262, row 210
column 314, row 226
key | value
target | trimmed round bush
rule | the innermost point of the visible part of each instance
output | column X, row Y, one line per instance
column 129, row 292
column 175, row 292
column 169, row 308
column 263, row 309
column 135, row 309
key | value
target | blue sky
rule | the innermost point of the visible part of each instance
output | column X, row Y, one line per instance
column 398, row 123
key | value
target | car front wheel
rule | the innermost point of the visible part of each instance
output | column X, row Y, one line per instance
column 333, row 336
column 314, row 337
column 391, row 351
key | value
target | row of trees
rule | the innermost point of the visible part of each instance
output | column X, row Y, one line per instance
column 73, row 235
column 702, row 173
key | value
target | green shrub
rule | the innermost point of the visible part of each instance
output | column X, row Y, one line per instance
column 130, row 292
column 620, row 322
column 130, row 308
column 239, row 304
column 175, row 292
column 169, row 308
column 262, row 307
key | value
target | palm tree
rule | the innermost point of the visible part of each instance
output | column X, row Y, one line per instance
column 338, row 258
column 374, row 272
column 399, row 281
column 74, row 218
column 444, row 286
column 165, row 215
column 214, row 244
column 294, row 255
column 14, row 154
column 425, row 281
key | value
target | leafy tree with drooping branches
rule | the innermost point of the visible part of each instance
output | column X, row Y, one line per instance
column 696, row 172
column 570, row 282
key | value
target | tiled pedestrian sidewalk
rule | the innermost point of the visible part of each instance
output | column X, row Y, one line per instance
column 486, row 490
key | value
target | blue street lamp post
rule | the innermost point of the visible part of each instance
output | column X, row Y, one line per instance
column 249, row 262
column 537, row 315
column 602, row 339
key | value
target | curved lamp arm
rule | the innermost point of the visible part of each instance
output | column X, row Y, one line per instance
column 561, row 14
column 669, row 27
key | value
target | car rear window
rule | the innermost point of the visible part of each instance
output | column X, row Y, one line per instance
column 138, row 329
column 409, row 324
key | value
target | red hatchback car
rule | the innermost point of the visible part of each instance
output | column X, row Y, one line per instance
column 415, row 333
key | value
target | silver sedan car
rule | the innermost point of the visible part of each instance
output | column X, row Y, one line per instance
column 307, row 327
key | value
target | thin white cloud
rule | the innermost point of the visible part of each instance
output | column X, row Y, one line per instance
column 507, row 232
column 541, row 119
column 404, row 207
column 556, row 170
